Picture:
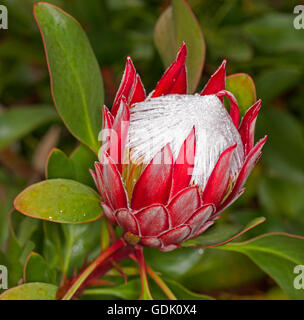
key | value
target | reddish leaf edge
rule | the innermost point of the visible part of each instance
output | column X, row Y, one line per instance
column 278, row 233
column 232, row 238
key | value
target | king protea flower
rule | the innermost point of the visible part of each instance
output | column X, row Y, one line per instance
column 172, row 161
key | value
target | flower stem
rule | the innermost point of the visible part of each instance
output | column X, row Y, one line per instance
column 160, row 282
column 100, row 266
column 145, row 291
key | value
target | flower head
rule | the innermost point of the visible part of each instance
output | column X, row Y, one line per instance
column 171, row 162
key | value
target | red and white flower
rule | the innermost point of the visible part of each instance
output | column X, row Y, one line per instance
column 171, row 162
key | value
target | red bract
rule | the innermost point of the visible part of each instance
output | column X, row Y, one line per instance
column 158, row 203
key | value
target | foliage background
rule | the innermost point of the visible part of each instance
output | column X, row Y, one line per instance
column 256, row 37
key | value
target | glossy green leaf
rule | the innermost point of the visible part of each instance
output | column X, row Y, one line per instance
column 59, row 200
column 76, row 80
column 17, row 122
column 59, row 165
column 277, row 254
column 208, row 276
column 183, row 293
column 52, row 245
column 14, row 265
column 31, row 291
column 75, row 167
column 21, row 241
column 243, row 88
column 172, row 264
column 131, row 291
column 67, row 246
column 27, row 227
column 178, row 24
column 10, row 186
column 222, row 233
column 77, row 245
column 37, row 270
column 83, row 159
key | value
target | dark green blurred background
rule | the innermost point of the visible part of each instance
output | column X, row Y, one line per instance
column 256, row 37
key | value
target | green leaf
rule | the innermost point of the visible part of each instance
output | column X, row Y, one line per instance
column 131, row 291
column 10, row 186
column 59, row 165
column 172, row 264
column 26, row 229
column 175, row 25
column 52, row 245
column 277, row 254
column 208, row 275
column 17, row 122
column 183, row 293
column 66, row 246
column 37, row 270
column 59, row 200
column 83, row 159
column 78, row 246
column 243, row 88
column 222, row 233
column 14, row 265
column 76, row 80
column 21, row 242
column 75, row 167
column 31, row 291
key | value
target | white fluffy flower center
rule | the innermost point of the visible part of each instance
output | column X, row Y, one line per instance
column 169, row 119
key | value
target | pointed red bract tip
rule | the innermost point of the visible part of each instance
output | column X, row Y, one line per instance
column 138, row 92
column 107, row 118
column 125, row 87
column 174, row 79
column 247, row 126
column 216, row 82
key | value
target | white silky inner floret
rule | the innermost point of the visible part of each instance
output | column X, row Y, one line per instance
column 169, row 119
